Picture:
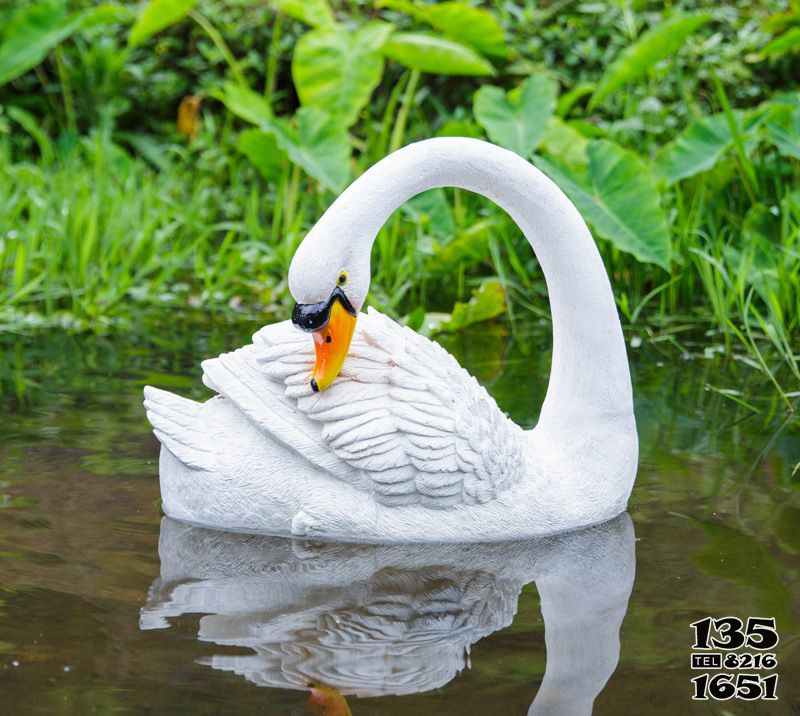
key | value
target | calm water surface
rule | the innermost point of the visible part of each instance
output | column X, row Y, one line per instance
column 107, row 607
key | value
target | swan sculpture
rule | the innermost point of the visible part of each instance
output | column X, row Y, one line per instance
column 378, row 620
column 378, row 434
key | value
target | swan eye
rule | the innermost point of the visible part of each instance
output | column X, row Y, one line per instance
column 343, row 278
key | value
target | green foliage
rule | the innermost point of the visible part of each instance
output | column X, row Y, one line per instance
column 337, row 70
column 783, row 124
column 33, row 31
column 157, row 15
column 429, row 53
column 617, row 196
column 316, row 13
column 92, row 93
column 461, row 22
column 312, row 139
column 488, row 302
column 246, row 104
column 698, row 148
column 318, row 143
column 653, row 46
column 262, row 149
column 785, row 44
column 517, row 120
column 562, row 140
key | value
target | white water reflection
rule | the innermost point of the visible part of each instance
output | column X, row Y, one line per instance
column 373, row 620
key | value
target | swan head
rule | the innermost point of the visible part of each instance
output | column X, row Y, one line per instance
column 329, row 282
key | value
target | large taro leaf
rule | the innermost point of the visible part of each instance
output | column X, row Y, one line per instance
column 32, row 31
column 432, row 211
column 517, row 120
column 156, row 16
column 702, row 144
column 312, row 139
column 337, row 70
column 438, row 55
column 245, row 104
column 317, row 143
column 562, row 140
column 618, row 197
column 783, row 130
column 469, row 246
column 489, row 301
column 653, row 46
column 262, row 149
column 472, row 26
column 316, row 13
column 783, row 123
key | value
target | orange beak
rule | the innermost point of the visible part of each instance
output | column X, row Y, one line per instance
column 331, row 344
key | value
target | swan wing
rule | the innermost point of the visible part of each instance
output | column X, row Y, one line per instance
column 402, row 413
column 180, row 425
column 237, row 377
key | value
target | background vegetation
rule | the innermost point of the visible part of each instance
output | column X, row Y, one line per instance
column 170, row 156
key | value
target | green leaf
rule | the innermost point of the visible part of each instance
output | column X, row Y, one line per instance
column 460, row 128
column 33, row 127
column 788, row 42
column 653, row 46
column 245, row 104
column 461, row 22
column 698, row 148
column 702, row 144
column 470, row 25
column 617, row 196
column 783, row 124
column 33, row 31
column 438, row 55
column 517, row 120
column 569, row 99
column 337, row 70
column 757, row 257
column 489, row 301
column 316, row 13
column 432, row 210
column 563, row 141
column 318, row 144
column 156, row 16
column 314, row 140
column 262, row 149
column 145, row 145
column 467, row 248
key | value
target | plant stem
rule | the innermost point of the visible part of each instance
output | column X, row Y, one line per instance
column 216, row 38
column 402, row 116
column 66, row 89
column 272, row 59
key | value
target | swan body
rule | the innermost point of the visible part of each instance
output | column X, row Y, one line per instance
column 391, row 440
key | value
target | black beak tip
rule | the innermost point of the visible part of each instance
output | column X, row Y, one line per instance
column 314, row 386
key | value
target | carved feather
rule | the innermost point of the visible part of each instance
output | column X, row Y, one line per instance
column 402, row 410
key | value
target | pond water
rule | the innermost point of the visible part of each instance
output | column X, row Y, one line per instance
column 106, row 606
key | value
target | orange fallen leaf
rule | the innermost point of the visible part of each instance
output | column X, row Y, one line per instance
column 189, row 116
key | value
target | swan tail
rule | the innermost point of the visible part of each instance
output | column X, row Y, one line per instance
column 179, row 426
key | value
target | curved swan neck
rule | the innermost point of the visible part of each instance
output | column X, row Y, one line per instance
column 589, row 375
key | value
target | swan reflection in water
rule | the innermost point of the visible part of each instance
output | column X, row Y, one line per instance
column 372, row 620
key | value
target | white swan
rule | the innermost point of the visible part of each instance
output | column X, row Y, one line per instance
column 385, row 436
